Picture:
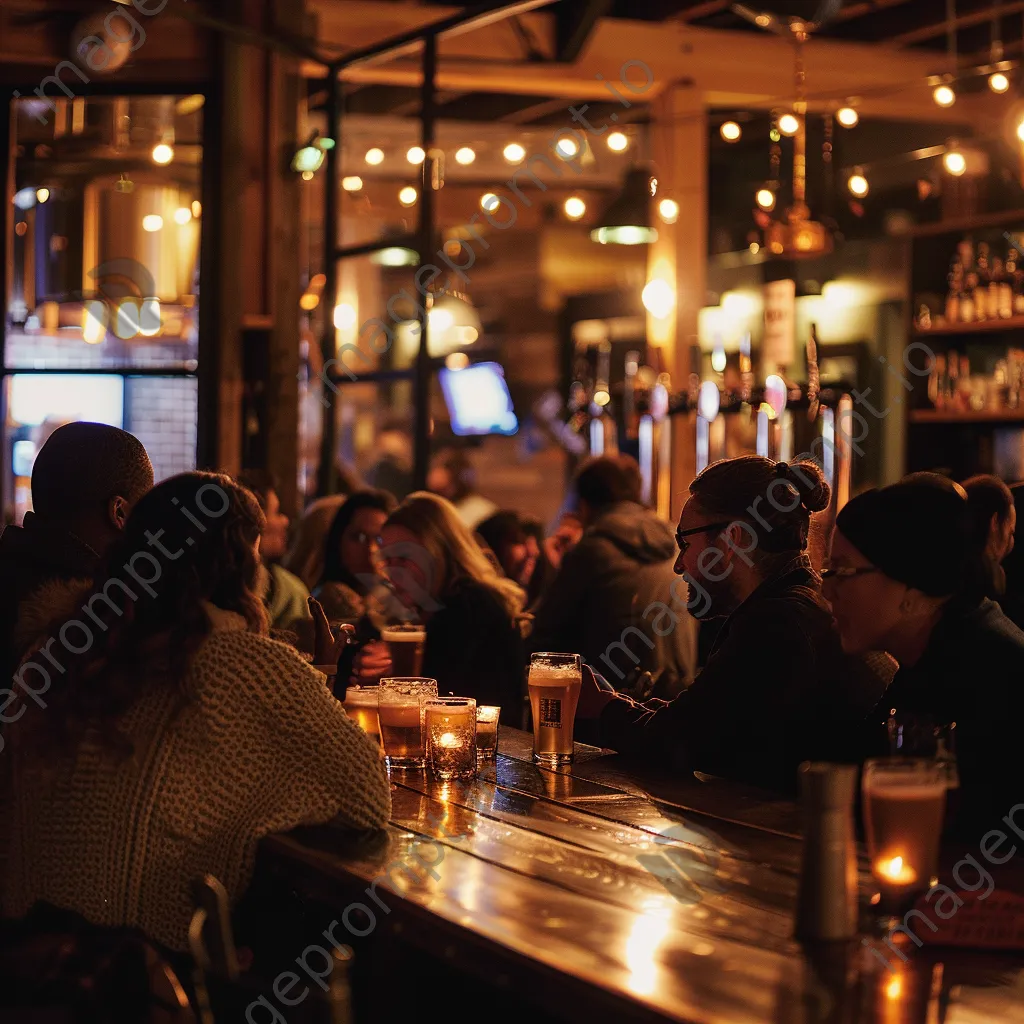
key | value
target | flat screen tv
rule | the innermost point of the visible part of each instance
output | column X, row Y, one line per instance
column 478, row 400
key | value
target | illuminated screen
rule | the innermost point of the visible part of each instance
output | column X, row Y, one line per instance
column 478, row 400
column 35, row 398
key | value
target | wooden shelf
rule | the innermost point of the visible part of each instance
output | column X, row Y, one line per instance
column 1008, row 416
column 1013, row 323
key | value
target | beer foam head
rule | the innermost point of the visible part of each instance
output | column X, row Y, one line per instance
column 407, row 633
column 362, row 696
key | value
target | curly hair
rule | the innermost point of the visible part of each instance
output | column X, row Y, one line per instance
column 188, row 542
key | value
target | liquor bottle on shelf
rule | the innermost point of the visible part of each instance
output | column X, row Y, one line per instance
column 1015, row 276
column 937, row 382
column 983, row 278
column 968, row 303
column 1000, row 297
column 952, row 379
column 956, row 286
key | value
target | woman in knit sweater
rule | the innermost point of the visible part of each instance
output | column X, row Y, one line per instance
column 177, row 734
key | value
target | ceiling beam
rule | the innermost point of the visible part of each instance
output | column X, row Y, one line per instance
column 574, row 21
column 919, row 35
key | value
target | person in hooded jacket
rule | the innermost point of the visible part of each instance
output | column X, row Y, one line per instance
column 612, row 600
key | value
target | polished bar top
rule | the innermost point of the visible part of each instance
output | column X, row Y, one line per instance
column 647, row 897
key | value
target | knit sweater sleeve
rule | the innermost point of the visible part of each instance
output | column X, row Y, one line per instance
column 323, row 765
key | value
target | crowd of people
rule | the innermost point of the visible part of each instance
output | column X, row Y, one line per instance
column 191, row 710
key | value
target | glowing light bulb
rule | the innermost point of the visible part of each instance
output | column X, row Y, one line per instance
column 415, row 154
column 944, row 96
column 465, row 156
column 718, row 358
column 514, row 153
column 731, row 131
column 659, row 298
column 408, row 196
column 344, row 316
column 765, row 199
column 42, row 194
column 789, row 124
column 1020, row 130
column 440, row 319
column 574, row 207
column 567, row 147
column 374, row 156
column 182, row 215
column 163, row 154
column 618, row 142
column 955, row 162
column 489, row 202
column 197, row 208
column 351, row 183
column 152, row 222
column 847, row 117
column 858, row 185
column 668, row 210
column 998, row 82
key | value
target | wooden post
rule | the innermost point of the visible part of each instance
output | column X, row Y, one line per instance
column 679, row 145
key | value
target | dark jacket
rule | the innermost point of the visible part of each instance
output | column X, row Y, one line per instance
column 777, row 690
column 31, row 556
column 613, row 603
column 474, row 649
column 971, row 673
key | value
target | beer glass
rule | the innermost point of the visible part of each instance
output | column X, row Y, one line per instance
column 487, row 732
column 554, row 684
column 360, row 705
column 405, row 644
column 904, row 804
column 400, row 709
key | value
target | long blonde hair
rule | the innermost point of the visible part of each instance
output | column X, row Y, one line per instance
column 452, row 547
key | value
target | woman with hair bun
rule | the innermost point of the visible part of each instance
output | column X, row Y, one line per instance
column 777, row 688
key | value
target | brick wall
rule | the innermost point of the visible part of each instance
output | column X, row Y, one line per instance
column 162, row 413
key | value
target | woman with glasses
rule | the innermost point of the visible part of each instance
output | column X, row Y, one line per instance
column 907, row 577
column 776, row 689
column 350, row 551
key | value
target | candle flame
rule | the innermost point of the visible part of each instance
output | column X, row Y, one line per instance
column 449, row 739
column 894, row 867
column 895, row 987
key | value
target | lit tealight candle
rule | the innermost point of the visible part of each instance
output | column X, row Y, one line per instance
column 895, row 871
column 449, row 740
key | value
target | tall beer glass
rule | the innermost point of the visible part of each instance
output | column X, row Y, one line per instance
column 405, row 644
column 400, row 710
column 554, row 685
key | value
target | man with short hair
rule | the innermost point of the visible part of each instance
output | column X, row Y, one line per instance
column 612, row 600
column 85, row 480
column 283, row 593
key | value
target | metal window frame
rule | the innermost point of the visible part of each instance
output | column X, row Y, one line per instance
column 425, row 41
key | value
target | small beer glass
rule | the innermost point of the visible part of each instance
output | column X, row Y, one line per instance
column 487, row 732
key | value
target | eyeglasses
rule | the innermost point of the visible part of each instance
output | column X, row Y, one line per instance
column 362, row 537
column 681, row 535
column 847, row 572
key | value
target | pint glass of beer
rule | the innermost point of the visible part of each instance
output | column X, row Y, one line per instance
column 405, row 644
column 360, row 705
column 904, row 804
column 400, row 709
column 554, row 685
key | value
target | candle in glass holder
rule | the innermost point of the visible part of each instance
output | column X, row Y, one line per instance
column 451, row 737
column 487, row 732
column 904, row 804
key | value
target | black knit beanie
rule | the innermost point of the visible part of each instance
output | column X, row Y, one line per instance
column 917, row 532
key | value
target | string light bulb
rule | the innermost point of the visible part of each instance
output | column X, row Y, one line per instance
column 567, row 147
column 955, row 162
column 465, row 155
column 489, row 202
column 352, row 183
column 668, row 210
column 858, row 184
column 765, row 198
column 163, row 154
column 618, row 142
column 415, row 154
column 847, row 117
column 944, row 96
column 574, row 208
column 408, row 196
column 998, row 82
column 730, row 131
column 374, row 156
column 514, row 153
column 789, row 124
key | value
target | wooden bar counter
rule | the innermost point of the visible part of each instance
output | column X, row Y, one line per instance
column 610, row 893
